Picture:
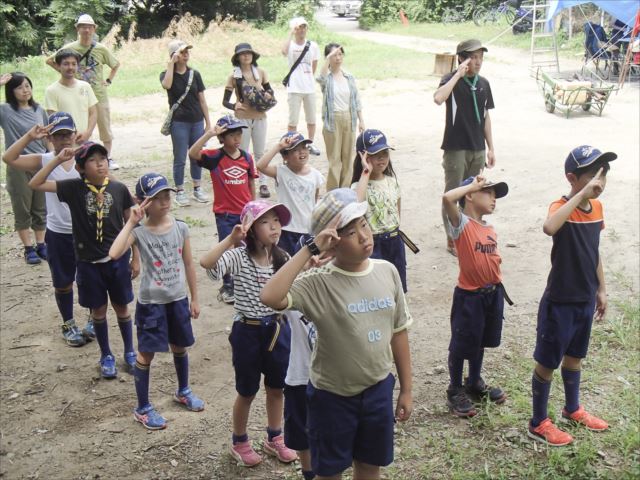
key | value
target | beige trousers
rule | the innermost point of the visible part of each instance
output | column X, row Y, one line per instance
column 340, row 146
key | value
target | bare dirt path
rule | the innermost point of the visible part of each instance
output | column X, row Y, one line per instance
column 60, row 420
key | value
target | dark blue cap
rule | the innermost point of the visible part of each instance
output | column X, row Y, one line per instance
column 230, row 122
column 372, row 141
column 584, row 156
column 150, row 184
column 501, row 188
column 87, row 149
column 296, row 139
column 61, row 121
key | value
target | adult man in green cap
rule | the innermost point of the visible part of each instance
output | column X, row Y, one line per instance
column 468, row 125
column 93, row 55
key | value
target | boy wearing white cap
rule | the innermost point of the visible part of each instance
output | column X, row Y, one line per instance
column 300, row 81
column 93, row 56
column 358, row 307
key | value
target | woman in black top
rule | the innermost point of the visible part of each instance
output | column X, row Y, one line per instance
column 186, row 124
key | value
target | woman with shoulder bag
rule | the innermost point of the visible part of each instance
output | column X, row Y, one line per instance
column 341, row 114
column 185, row 88
column 254, row 96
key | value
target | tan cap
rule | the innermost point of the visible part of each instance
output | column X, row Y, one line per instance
column 470, row 46
column 178, row 46
column 85, row 19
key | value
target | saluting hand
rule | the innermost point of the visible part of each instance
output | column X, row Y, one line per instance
column 463, row 68
column 595, row 186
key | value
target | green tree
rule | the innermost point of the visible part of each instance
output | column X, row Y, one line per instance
column 22, row 27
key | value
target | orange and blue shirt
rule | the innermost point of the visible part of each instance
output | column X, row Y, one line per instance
column 230, row 179
column 574, row 256
column 478, row 257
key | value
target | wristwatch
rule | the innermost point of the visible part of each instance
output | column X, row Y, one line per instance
column 311, row 245
column 108, row 80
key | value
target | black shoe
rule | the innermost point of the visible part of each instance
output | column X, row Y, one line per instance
column 481, row 391
column 459, row 404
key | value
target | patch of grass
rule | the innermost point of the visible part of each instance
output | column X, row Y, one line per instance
column 461, row 31
column 495, row 445
column 194, row 222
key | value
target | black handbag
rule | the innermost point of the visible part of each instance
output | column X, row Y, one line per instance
column 285, row 80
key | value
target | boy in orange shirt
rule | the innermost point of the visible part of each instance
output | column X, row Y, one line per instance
column 478, row 299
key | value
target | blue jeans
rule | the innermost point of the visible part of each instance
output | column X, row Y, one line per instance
column 225, row 223
column 183, row 135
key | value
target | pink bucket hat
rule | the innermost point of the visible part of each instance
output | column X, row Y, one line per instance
column 256, row 208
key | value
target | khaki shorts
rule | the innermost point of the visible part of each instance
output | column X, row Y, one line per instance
column 104, row 121
column 309, row 102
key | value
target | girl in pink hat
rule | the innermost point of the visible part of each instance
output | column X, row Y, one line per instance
column 259, row 338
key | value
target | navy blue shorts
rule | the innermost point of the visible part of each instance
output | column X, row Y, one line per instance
column 295, row 417
column 563, row 329
column 390, row 247
column 225, row 223
column 159, row 325
column 258, row 349
column 61, row 258
column 476, row 321
column 343, row 429
column 96, row 281
column 291, row 242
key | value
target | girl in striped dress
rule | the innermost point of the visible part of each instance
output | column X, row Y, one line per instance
column 259, row 339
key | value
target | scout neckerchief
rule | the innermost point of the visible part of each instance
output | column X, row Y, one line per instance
column 99, row 194
column 472, row 85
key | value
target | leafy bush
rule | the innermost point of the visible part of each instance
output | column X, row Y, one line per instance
column 375, row 12
column 285, row 11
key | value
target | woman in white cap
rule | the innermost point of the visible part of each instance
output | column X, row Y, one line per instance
column 187, row 121
column 254, row 96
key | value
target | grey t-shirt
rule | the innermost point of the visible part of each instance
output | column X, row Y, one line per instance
column 15, row 123
column 163, row 279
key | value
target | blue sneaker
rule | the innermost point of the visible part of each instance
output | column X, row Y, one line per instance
column 31, row 257
column 89, row 331
column 41, row 250
column 130, row 360
column 72, row 335
column 187, row 398
column 149, row 418
column 108, row 367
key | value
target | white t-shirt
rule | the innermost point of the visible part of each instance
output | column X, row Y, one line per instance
column 303, row 339
column 298, row 193
column 341, row 95
column 58, row 214
column 301, row 80
column 75, row 100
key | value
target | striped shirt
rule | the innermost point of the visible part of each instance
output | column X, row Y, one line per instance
column 248, row 280
column 328, row 100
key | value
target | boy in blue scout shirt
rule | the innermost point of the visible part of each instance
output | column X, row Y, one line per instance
column 575, row 291
column 358, row 307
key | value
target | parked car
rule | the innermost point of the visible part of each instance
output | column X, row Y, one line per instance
column 354, row 8
column 346, row 7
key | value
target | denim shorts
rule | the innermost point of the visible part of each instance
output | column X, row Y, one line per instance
column 343, row 429
column 260, row 346
column 225, row 223
column 390, row 247
column 292, row 242
column 61, row 258
column 476, row 321
column 100, row 282
column 563, row 329
column 295, row 417
column 159, row 325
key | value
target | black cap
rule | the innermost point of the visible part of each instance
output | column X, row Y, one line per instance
column 470, row 45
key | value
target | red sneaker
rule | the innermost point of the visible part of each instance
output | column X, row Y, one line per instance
column 277, row 448
column 582, row 417
column 548, row 433
column 244, row 454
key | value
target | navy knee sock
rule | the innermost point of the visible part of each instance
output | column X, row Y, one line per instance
column 475, row 367
column 571, row 380
column 456, row 364
column 141, row 374
column 102, row 335
column 540, row 389
column 273, row 433
column 181, row 362
column 65, row 304
column 127, row 333
column 308, row 474
column 239, row 438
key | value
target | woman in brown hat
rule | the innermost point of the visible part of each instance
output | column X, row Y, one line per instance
column 254, row 96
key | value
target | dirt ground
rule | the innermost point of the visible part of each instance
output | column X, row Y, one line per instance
column 60, row 420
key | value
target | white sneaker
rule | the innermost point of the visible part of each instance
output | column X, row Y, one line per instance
column 200, row 196
column 113, row 165
column 313, row 150
column 181, row 199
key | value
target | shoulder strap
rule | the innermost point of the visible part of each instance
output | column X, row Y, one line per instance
column 299, row 59
column 184, row 95
column 88, row 52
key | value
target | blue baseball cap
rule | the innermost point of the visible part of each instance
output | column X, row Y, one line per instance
column 61, row 121
column 230, row 122
column 296, row 139
column 584, row 156
column 501, row 188
column 87, row 149
column 372, row 141
column 150, row 184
